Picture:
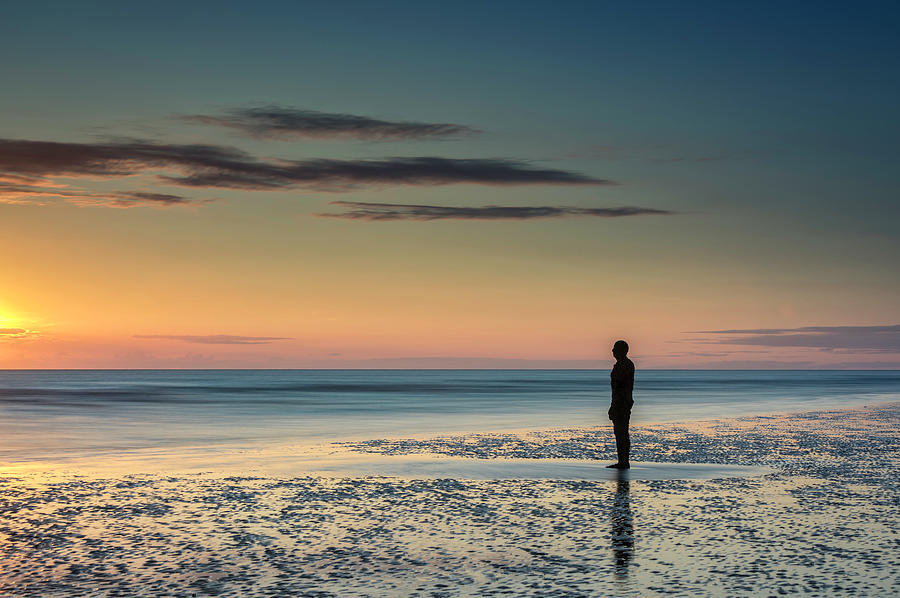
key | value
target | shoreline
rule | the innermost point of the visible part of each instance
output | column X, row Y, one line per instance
column 267, row 458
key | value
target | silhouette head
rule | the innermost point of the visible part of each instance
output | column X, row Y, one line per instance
column 620, row 349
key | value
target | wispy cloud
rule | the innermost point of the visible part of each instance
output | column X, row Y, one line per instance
column 32, row 169
column 357, row 210
column 277, row 122
column 130, row 198
column 344, row 175
column 36, row 191
column 16, row 333
column 216, row 339
column 27, row 158
column 855, row 338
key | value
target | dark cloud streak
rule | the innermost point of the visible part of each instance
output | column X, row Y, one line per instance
column 343, row 175
column 51, row 158
column 389, row 211
column 856, row 338
column 276, row 122
column 131, row 198
column 222, row 167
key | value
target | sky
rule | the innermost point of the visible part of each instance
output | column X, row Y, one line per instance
column 467, row 184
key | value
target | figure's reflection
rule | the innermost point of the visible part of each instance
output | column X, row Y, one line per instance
column 622, row 524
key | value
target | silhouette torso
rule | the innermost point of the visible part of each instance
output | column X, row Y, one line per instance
column 621, row 379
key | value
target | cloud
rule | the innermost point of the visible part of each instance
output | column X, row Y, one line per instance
column 195, row 165
column 877, row 339
column 343, row 175
column 358, row 210
column 128, row 199
column 216, row 339
column 16, row 333
column 724, row 353
column 26, row 158
column 36, row 191
column 276, row 122
column 466, row 363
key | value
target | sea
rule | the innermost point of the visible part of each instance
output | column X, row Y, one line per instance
column 55, row 415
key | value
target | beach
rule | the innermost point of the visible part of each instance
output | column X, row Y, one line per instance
column 805, row 503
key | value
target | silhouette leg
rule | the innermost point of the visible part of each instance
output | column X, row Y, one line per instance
column 623, row 440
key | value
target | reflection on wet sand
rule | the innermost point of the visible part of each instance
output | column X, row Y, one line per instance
column 622, row 525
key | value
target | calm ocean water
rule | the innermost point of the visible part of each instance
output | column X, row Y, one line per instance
column 52, row 415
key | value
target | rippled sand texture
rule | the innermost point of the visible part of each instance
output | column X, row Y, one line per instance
column 824, row 524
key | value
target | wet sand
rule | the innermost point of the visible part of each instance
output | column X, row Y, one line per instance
column 802, row 504
column 429, row 467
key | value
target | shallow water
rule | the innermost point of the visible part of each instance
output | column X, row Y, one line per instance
column 96, row 414
column 460, row 468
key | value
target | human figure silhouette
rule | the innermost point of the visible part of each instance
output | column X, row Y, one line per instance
column 622, row 381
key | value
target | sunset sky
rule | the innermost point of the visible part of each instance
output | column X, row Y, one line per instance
column 466, row 184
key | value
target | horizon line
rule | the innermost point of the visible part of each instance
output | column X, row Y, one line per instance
column 301, row 369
